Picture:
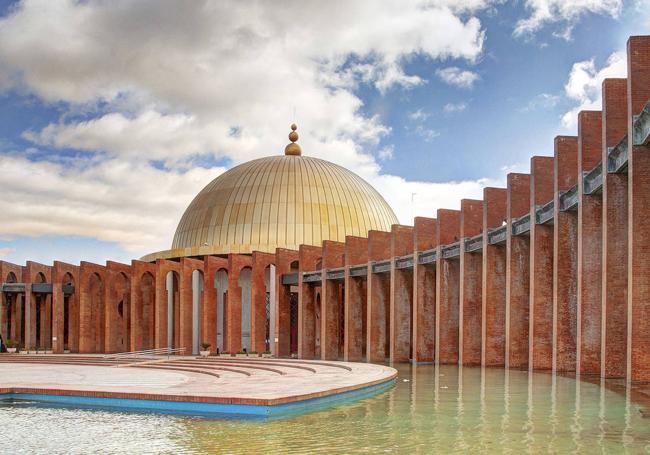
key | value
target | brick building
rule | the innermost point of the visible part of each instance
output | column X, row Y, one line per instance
column 301, row 257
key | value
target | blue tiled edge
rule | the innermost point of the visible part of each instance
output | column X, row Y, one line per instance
column 209, row 409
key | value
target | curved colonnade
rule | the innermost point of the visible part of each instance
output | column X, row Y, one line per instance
column 552, row 272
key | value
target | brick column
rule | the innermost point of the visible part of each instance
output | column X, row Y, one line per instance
column 281, row 337
column 541, row 268
column 15, row 314
column 614, row 282
column 493, row 320
column 331, row 304
column 401, row 295
column 185, row 311
column 20, row 320
column 517, row 275
column 232, row 313
column 565, row 264
column 447, row 289
column 46, row 319
column 638, row 89
column 261, row 261
column 424, row 292
column 58, row 311
column 160, row 323
column 378, row 292
column 4, row 308
column 356, row 253
column 308, row 257
column 590, row 236
column 471, row 273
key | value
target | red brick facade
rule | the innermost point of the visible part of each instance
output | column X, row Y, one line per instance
column 548, row 273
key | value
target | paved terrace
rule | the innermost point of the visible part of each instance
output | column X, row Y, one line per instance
column 216, row 380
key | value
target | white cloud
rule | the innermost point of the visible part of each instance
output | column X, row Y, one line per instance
column 541, row 101
column 564, row 12
column 458, row 77
column 585, row 84
column 6, row 251
column 135, row 205
column 419, row 115
column 451, row 108
column 428, row 134
column 148, row 80
column 428, row 196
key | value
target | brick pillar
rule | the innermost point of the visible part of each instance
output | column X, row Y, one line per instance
column 86, row 340
column 565, row 264
column 308, row 257
column 471, row 273
column 638, row 89
column 185, row 310
column 46, row 322
column 424, row 292
column 209, row 303
column 46, row 317
column 541, row 268
column 4, row 308
column 258, row 301
column 401, row 295
column 29, row 318
column 378, row 292
column 356, row 253
column 160, row 315
column 58, row 314
column 20, row 319
column 136, row 310
column 517, row 275
column 590, row 237
column 331, row 304
column 614, row 281
column 447, row 289
column 282, row 314
column 73, row 314
column 15, row 317
column 493, row 320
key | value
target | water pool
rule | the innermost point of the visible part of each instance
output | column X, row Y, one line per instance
column 430, row 410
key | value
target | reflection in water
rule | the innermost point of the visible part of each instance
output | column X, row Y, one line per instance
column 442, row 409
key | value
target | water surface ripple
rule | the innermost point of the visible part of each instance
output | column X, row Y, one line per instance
column 430, row 410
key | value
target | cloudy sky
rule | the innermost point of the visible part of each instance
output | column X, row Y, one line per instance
column 114, row 114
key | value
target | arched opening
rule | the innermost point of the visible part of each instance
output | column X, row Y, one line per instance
column 120, row 314
column 68, row 310
column 97, row 313
column 173, row 310
column 221, row 286
column 43, row 313
column 197, row 298
column 246, row 307
column 147, row 296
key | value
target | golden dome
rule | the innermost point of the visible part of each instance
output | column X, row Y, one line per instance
column 278, row 202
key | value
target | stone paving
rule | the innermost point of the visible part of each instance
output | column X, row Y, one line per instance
column 232, row 380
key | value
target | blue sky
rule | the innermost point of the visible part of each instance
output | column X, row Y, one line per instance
column 113, row 115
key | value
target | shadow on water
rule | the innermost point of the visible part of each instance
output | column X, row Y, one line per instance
column 431, row 409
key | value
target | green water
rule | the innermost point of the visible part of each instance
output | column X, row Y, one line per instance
column 430, row 410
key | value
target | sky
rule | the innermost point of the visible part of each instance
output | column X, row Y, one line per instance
column 113, row 115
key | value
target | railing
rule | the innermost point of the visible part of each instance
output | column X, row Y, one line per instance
column 144, row 353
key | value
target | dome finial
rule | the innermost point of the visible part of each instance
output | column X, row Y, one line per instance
column 293, row 149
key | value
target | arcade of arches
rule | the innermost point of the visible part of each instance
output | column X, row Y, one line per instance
column 299, row 256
